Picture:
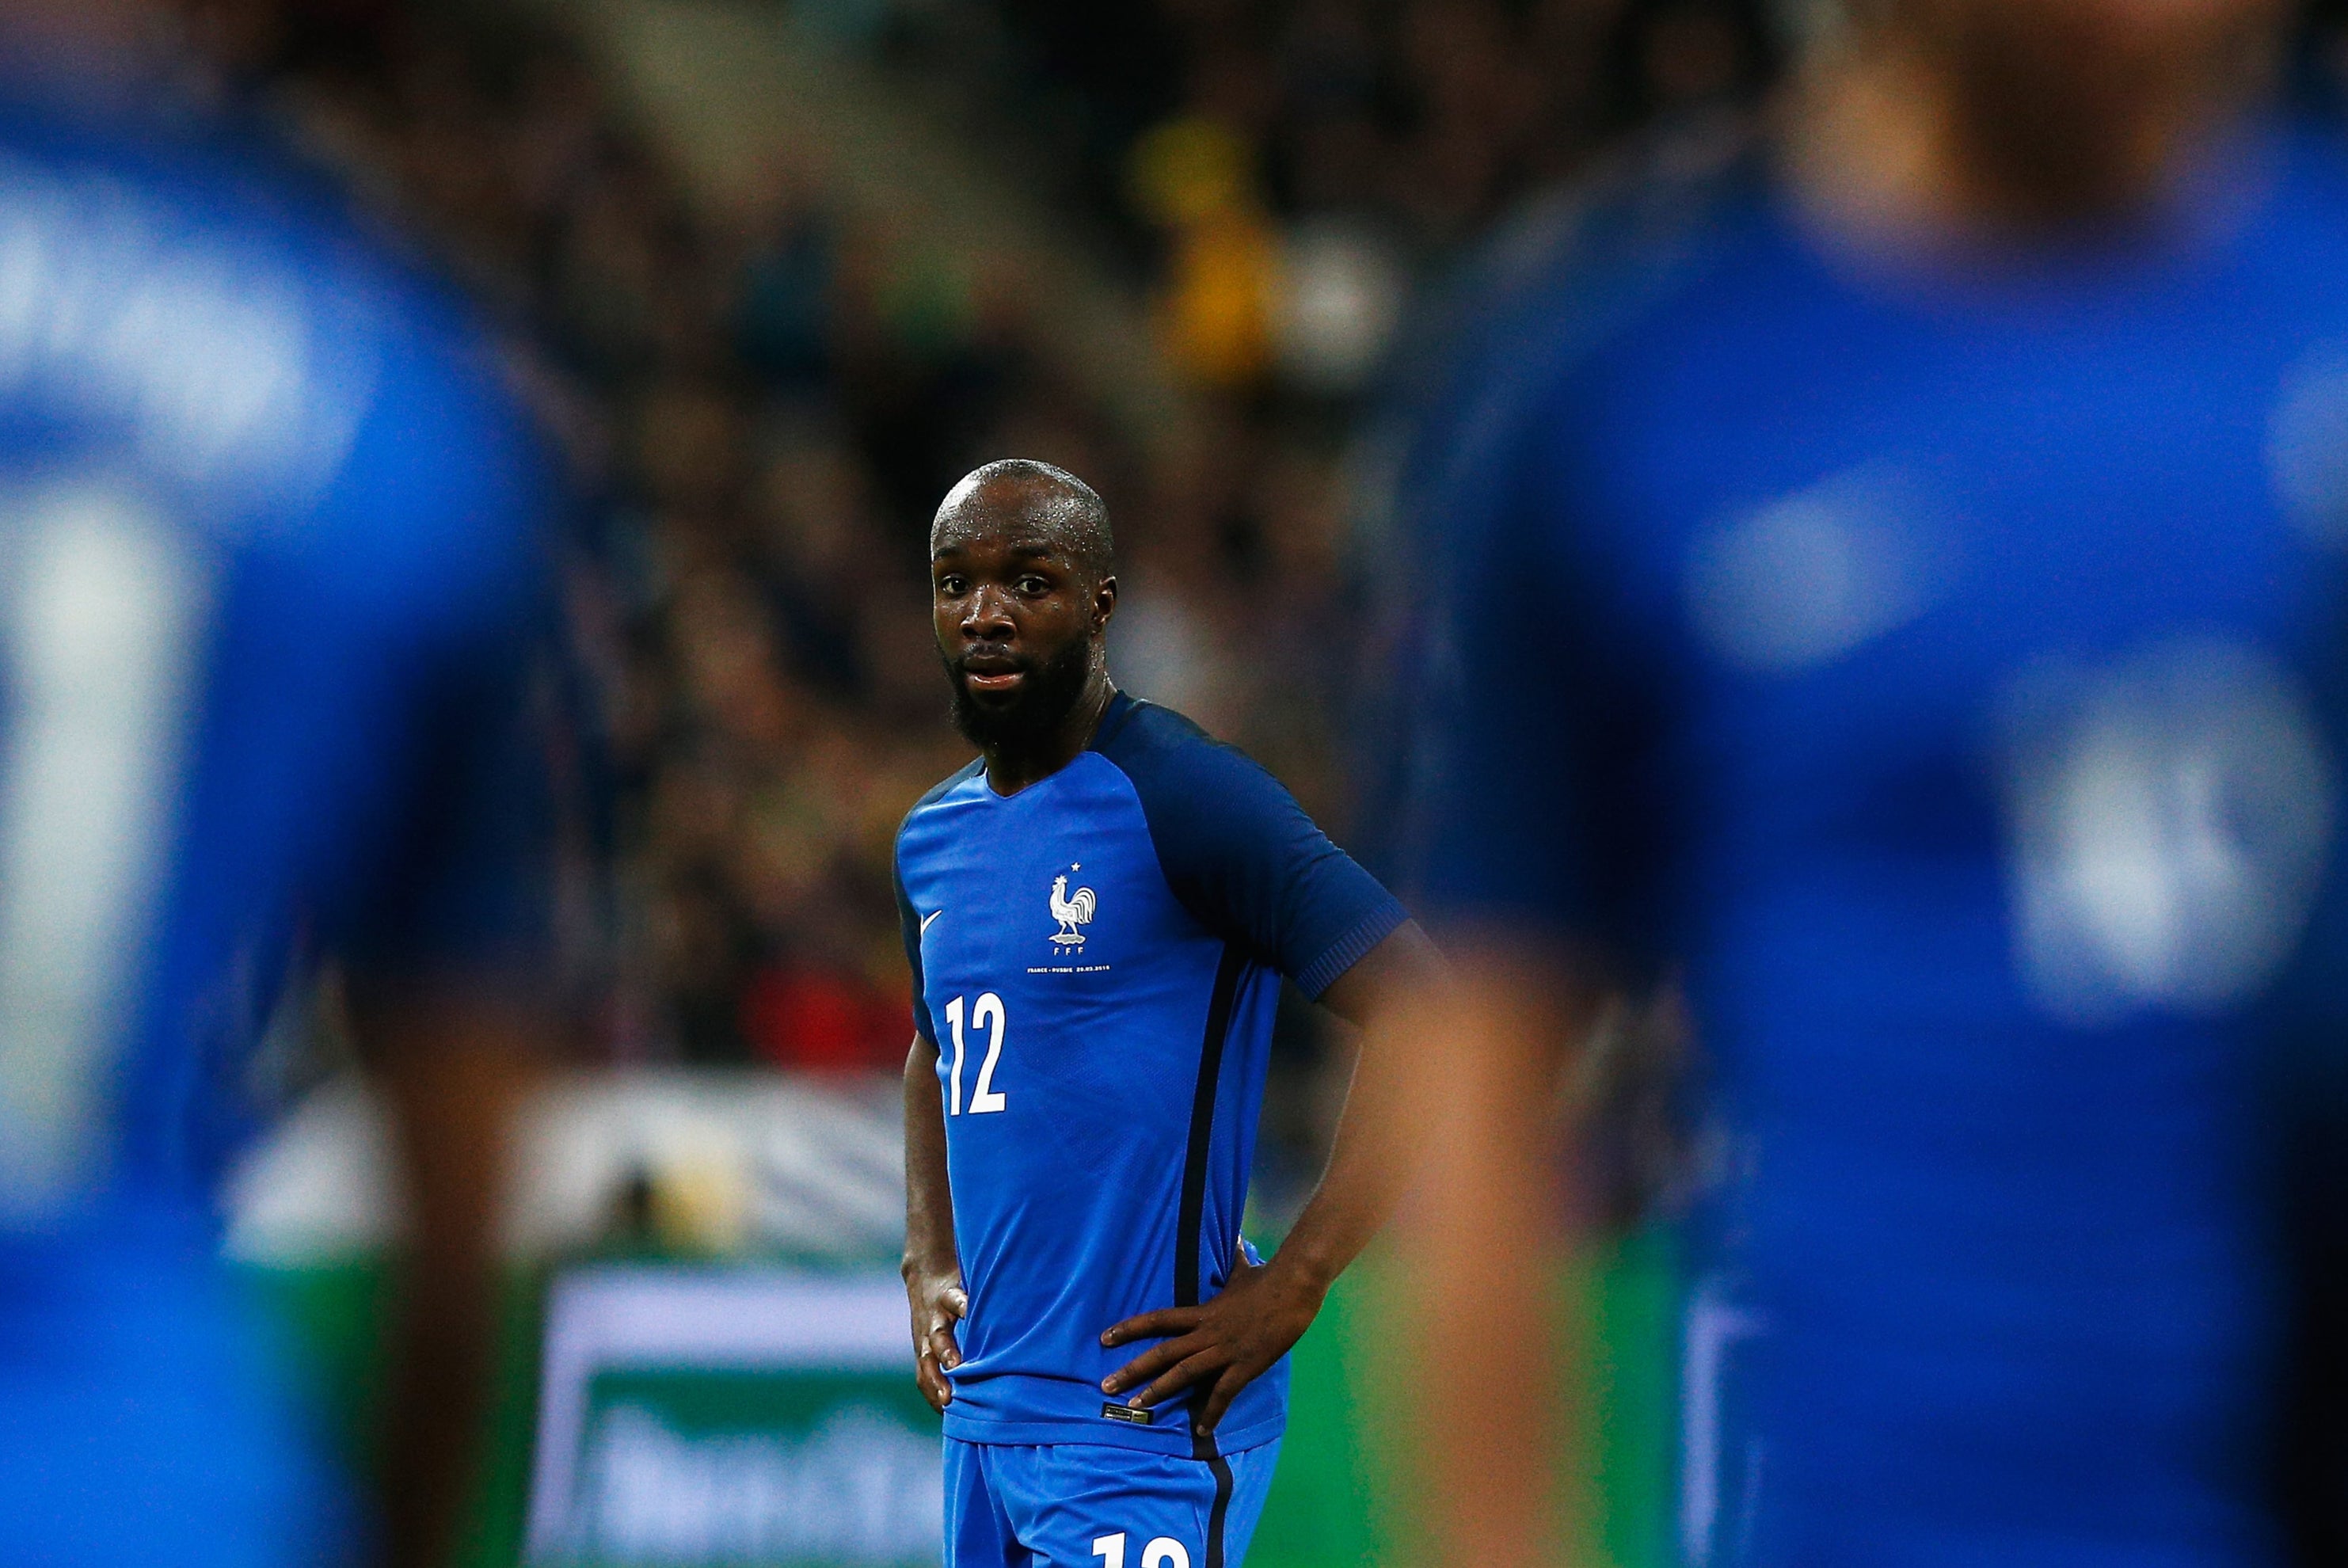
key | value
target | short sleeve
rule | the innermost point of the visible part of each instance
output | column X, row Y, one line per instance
column 1241, row 854
column 1532, row 802
column 463, row 878
column 456, row 732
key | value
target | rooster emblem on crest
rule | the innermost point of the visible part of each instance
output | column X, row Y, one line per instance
column 1070, row 912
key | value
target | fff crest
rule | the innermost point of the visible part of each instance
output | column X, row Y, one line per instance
column 1071, row 909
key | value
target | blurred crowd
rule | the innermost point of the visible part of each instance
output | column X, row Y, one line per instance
column 1284, row 172
column 757, row 406
column 756, row 409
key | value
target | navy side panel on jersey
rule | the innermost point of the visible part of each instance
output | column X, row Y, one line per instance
column 1944, row 676
column 1096, row 959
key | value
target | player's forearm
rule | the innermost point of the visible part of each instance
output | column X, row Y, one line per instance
column 1370, row 1160
column 1397, row 997
column 929, row 1202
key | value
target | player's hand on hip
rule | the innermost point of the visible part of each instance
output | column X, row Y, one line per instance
column 1220, row 1346
column 939, row 1303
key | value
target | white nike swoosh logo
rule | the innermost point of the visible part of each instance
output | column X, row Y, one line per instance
column 925, row 921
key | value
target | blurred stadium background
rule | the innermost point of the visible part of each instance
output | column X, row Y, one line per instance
column 773, row 275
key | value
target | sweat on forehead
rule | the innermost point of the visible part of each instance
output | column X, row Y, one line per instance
column 1021, row 499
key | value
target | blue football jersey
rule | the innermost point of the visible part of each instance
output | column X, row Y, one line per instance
column 1939, row 670
column 1098, row 959
column 268, row 562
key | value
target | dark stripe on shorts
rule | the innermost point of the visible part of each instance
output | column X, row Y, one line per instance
column 1221, row 1467
column 1192, row 1218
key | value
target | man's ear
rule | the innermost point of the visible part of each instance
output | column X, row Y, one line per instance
column 1104, row 602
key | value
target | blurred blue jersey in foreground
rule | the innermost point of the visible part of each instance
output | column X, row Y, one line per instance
column 267, row 552
column 1938, row 665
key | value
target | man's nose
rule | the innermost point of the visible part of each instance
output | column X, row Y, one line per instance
column 988, row 615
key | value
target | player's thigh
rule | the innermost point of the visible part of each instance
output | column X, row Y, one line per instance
column 1086, row 1507
column 978, row 1531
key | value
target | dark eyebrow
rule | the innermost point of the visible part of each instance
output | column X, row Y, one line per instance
column 1044, row 551
column 1017, row 552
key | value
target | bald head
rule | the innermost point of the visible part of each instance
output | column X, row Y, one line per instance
column 1020, row 599
column 1035, row 500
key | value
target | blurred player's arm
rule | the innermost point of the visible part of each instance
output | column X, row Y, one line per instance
column 932, row 1267
column 1395, row 995
column 1480, row 1256
column 453, row 1065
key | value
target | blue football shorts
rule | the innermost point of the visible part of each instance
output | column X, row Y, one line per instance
column 1088, row 1505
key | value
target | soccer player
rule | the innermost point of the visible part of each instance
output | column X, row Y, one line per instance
column 1894, row 578
column 1098, row 912
column 269, row 566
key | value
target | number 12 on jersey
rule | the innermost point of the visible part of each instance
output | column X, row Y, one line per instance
column 984, row 1096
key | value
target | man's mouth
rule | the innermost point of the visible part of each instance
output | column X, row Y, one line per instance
column 993, row 675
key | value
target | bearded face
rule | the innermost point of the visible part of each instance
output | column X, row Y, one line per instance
column 1032, row 709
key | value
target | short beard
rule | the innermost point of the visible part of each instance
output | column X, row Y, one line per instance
column 1043, row 703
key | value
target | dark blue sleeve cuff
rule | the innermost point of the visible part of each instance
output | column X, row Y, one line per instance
column 1350, row 949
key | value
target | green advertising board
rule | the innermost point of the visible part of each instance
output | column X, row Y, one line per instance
column 735, row 1415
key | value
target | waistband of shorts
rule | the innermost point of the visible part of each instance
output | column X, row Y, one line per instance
column 1101, row 1432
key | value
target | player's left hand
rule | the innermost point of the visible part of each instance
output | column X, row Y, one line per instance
column 1225, row 1343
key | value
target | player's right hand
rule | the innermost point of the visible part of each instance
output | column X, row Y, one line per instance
column 939, row 1303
